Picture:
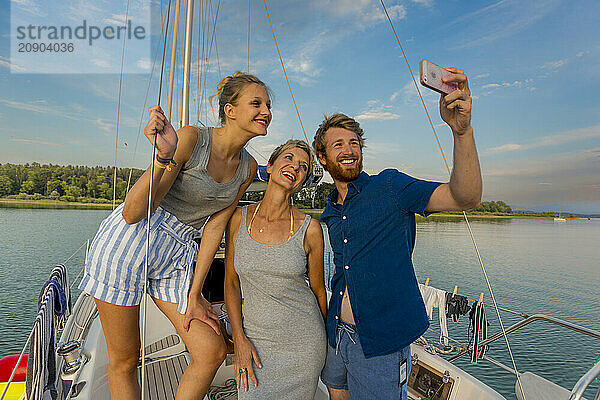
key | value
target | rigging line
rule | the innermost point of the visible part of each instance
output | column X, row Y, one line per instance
column 145, row 300
column 464, row 213
column 212, row 39
column 198, row 67
column 257, row 152
column 137, row 138
column 284, row 73
column 119, row 108
column 206, row 59
column 201, row 38
column 249, row 1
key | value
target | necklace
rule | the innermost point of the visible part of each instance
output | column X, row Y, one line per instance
column 260, row 230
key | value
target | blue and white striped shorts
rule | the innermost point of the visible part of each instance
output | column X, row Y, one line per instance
column 114, row 270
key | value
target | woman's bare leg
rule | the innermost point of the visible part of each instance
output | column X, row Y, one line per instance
column 206, row 348
column 121, row 330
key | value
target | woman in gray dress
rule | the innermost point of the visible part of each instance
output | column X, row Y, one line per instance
column 279, row 333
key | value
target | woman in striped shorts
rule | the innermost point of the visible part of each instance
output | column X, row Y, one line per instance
column 199, row 176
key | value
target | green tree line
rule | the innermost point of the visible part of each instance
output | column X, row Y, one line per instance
column 67, row 183
column 95, row 184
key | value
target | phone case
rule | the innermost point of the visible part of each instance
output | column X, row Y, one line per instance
column 431, row 77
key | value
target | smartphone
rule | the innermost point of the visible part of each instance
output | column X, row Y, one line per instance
column 431, row 77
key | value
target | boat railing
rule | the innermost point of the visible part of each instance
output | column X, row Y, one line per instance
column 537, row 317
column 581, row 384
column 584, row 382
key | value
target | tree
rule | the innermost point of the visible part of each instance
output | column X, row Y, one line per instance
column 6, row 185
column 73, row 191
column 28, row 187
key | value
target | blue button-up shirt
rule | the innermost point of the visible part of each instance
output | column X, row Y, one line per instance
column 372, row 235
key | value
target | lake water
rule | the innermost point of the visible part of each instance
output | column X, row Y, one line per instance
column 535, row 266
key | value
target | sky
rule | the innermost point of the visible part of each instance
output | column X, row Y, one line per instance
column 531, row 68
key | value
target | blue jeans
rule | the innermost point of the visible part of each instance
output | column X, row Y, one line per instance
column 365, row 378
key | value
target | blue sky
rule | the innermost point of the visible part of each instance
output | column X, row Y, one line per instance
column 531, row 65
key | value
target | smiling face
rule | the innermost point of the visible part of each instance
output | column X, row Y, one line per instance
column 253, row 110
column 343, row 154
column 290, row 169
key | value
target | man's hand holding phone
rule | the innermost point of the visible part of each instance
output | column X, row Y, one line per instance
column 455, row 107
column 455, row 99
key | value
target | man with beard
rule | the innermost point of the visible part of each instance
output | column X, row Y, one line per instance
column 376, row 310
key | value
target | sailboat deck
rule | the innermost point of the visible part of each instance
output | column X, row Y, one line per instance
column 162, row 377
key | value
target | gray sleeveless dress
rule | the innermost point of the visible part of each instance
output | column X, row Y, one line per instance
column 281, row 316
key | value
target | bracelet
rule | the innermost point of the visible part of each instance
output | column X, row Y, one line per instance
column 166, row 161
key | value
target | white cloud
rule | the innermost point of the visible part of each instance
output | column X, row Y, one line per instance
column 40, row 107
column 34, row 142
column 104, row 125
column 29, row 6
column 374, row 115
column 500, row 20
column 555, row 65
column 366, row 12
column 144, row 63
column 115, row 19
column 427, row 3
column 546, row 141
column 6, row 63
column 491, row 87
column 100, row 62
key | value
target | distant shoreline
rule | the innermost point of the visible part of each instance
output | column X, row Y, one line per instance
column 54, row 204
column 315, row 213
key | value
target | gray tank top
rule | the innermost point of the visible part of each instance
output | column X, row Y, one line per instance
column 195, row 195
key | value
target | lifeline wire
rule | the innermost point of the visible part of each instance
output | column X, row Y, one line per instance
column 464, row 214
column 12, row 375
column 145, row 301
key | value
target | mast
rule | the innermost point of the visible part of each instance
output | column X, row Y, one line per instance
column 185, row 98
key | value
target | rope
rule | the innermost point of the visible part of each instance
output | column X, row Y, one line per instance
column 145, row 302
column 285, row 73
column 209, row 54
column 119, row 109
column 464, row 214
column 137, row 138
column 229, row 389
column 249, row 2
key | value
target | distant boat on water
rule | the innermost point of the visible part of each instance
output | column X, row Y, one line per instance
column 560, row 218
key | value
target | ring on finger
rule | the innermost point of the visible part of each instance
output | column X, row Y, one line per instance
column 242, row 370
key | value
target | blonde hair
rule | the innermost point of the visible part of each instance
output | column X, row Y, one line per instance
column 337, row 120
column 290, row 144
column 230, row 88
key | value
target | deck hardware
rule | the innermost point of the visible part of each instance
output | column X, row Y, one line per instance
column 446, row 377
column 72, row 354
column 414, row 359
column 76, row 389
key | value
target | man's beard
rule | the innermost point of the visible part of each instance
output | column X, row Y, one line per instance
column 343, row 175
